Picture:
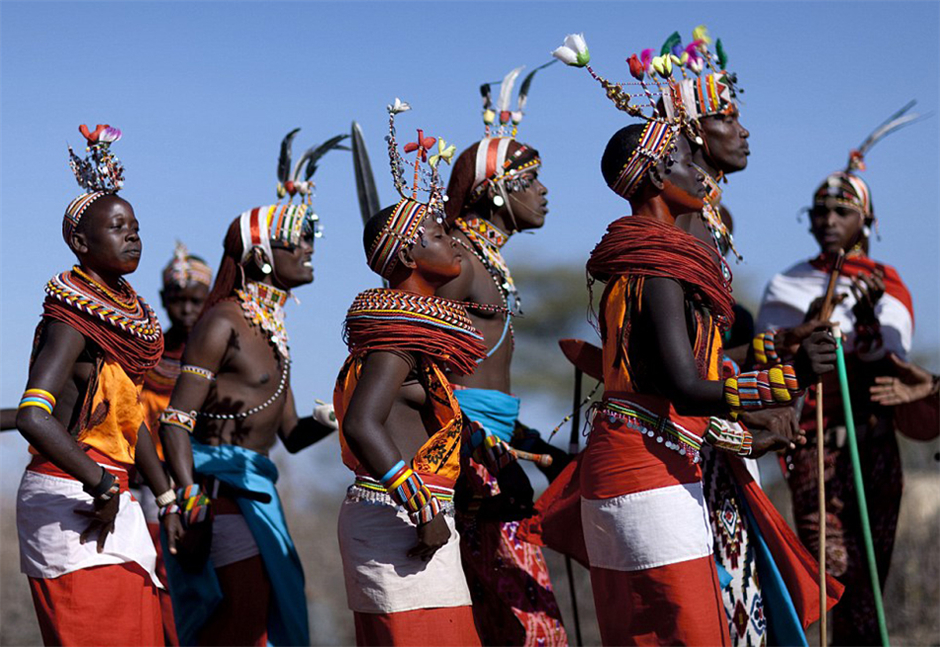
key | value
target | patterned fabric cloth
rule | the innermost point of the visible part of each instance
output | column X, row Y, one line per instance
column 734, row 553
column 513, row 600
column 853, row 621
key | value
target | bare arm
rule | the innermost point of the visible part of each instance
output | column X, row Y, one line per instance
column 59, row 349
column 148, row 463
column 7, row 419
column 206, row 348
column 299, row 433
column 364, row 423
column 663, row 318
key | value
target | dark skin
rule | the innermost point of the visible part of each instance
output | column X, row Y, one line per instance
column 662, row 323
column 726, row 149
column 525, row 211
column 248, row 370
column 384, row 422
column 108, row 247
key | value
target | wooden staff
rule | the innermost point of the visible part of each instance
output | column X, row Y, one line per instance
column 824, row 314
column 542, row 460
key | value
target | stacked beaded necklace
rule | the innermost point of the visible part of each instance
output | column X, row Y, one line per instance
column 486, row 240
column 263, row 306
column 711, row 218
column 122, row 309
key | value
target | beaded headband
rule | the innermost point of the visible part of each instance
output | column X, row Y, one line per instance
column 100, row 173
column 845, row 186
column 288, row 223
column 699, row 93
column 184, row 269
column 403, row 227
column 654, row 75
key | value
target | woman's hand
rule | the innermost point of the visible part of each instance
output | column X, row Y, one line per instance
column 431, row 537
column 102, row 520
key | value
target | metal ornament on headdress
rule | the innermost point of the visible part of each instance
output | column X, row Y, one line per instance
column 845, row 186
column 100, row 173
column 404, row 224
column 288, row 223
column 658, row 137
column 706, row 87
column 184, row 269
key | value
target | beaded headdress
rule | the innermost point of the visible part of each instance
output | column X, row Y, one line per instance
column 845, row 186
column 493, row 164
column 99, row 174
column 403, row 227
column 706, row 87
column 184, row 269
column 653, row 75
column 287, row 223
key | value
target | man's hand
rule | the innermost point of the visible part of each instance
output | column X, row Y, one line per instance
column 868, row 290
column 789, row 339
column 912, row 383
column 817, row 356
column 775, row 429
column 173, row 526
column 102, row 520
column 431, row 537
column 815, row 308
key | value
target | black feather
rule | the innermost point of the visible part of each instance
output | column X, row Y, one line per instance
column 283, row 162
column 487, row 93
column 527, row 81
column 313, row 154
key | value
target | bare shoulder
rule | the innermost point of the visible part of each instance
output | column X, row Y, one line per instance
column 212, row 333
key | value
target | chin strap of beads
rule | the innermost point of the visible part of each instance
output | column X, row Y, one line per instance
column 487, row 449
column 729, row 436
column 408, row 490
column 759, row 389
column 765, row 351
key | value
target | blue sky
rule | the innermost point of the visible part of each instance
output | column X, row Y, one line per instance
column 204, row 92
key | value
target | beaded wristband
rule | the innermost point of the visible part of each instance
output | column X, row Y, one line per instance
column 38, row 398
column 408, row 490
column 198, row 371
column 166, row 498
column 194, row 504
column 170, row 508
column 765, row 351
column 758, row 389
column 106, row 488
column 427, row 512
column 177, row 418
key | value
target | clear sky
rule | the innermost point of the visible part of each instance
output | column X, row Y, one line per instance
column 204, row 92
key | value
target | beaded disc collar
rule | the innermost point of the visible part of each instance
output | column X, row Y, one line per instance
column 263, row 306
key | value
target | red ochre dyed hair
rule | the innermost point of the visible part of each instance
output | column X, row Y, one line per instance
column 230, row 275
column 461, row 180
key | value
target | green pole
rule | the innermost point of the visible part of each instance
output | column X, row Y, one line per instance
column 860, row 487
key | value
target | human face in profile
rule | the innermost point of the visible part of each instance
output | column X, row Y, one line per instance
column 107, row 240
column 726, row 140
column 435, row 255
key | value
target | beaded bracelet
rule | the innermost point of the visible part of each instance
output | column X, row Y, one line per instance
column 198, row 371
column 765, row 351
column 38, row 398
column 194, row 504
column 177, row 418
column 106, row 488
column 166, row 498
column 493, row 454
column 170, row 508
column 729, row 437
column 408, row 490
column 758, row 389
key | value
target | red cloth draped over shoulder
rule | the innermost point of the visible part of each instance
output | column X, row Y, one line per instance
column 799, row 569
column 645, row 247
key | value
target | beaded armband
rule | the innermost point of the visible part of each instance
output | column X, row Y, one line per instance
column 177, row 418
column 193, row 503
column 198, row 371
column 765, row 351
column 38, row 398
column 759, row 389
column 171, row 508
column 106, row 489
column 408, row 490
column 729, row 436
column 166, row 498
column 488, row 449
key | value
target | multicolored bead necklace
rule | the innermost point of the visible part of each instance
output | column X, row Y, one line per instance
column 711, row 218
column 263, row 306
column 485, row 242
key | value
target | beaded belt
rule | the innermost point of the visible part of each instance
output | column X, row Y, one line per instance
column 369, row 490
column 674, row 436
